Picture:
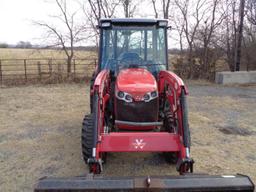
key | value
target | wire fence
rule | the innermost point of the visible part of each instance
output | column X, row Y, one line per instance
column 21, row 71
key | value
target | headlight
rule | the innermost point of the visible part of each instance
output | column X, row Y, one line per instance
column 154, row 94
column 124, row 96
column 106, row 24
column 128, row 97
column 162, row 23
column 151, row 95
column 146, row 97
column 120, row 94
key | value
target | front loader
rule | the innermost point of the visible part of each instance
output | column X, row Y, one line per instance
column 137, row 105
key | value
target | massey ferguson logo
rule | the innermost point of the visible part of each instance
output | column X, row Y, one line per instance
column 139, row 144
column 138, row 97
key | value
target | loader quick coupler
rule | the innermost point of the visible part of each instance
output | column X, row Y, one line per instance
column 95, row 165
column 185, row 165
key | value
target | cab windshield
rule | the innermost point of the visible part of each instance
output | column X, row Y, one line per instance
column 134, row 47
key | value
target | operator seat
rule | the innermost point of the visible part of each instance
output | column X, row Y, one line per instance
column 130, row 59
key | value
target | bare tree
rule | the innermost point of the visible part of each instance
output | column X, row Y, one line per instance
column 165, row 4
column 239, row 36
column 179, row 26
column 155, row 9
column 189, row 13
column 129, row 7
column 251, row 11
column 177, row 23
column 206, row 33
column 230, row 8
column 66, row 39
column 103, row 8
column 249, row 35
column 94, row 10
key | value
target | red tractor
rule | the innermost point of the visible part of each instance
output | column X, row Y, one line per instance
column 137, row 105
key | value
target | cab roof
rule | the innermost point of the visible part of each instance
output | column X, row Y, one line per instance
column 131, row 21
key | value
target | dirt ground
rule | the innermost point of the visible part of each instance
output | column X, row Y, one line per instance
column 40, row 134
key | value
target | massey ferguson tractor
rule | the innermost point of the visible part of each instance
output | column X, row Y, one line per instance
column 137, row 105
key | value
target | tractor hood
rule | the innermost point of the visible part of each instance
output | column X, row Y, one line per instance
column 136, row 80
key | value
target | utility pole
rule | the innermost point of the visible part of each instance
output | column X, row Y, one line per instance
column 240, row 36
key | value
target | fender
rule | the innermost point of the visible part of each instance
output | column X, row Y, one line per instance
column 172, row 79
column 101, row 82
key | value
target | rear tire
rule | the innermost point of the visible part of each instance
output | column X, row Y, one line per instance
column 87, row 137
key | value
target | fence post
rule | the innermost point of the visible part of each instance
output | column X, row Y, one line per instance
column 1, row 74
column 25, row 69
column 50, row 66
column 74, row 65
column 59, row 71
column 39, row 70
column 59, row 68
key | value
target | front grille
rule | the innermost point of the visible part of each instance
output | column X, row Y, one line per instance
column 136, row 111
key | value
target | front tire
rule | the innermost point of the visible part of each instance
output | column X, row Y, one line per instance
column 171, row 157
column 87, row 137
column 170, row 126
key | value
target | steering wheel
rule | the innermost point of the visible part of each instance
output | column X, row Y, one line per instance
column 130, row 60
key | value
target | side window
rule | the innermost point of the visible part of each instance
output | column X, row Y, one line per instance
column 161, row 46
column 150, row 55
column 108, row 48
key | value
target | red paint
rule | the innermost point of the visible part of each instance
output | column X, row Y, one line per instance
column 174, row 80
column 136, row 81
column 139, row 142
column 101, row 80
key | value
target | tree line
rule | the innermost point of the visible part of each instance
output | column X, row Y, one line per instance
column 207, row 31
column 20, row 44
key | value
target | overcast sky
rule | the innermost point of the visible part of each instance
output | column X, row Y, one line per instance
column 16, row 18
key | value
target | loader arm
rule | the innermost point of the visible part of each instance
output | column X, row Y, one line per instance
column 100, row 95
column 173, row 89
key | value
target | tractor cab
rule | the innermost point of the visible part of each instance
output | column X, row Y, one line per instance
column 133, row 43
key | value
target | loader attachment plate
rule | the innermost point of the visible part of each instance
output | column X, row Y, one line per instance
column 158, row 183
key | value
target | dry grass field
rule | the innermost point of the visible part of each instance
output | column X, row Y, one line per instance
column 10, row 53
column 45, row 65
column 40, row 134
